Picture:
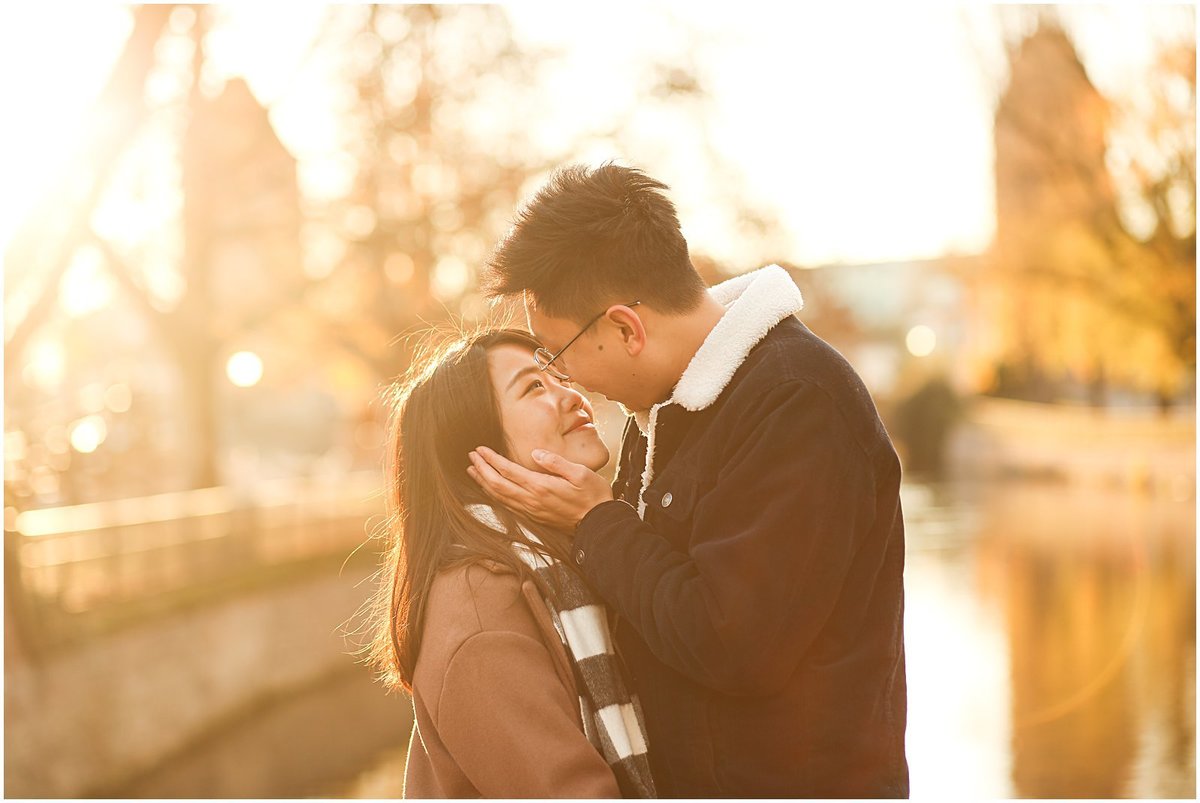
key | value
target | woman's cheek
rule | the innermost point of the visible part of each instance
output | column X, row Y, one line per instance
column 523, row 444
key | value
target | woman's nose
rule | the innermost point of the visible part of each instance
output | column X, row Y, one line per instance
column 570, row 398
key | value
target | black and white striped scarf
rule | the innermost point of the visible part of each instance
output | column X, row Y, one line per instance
column 611, row 713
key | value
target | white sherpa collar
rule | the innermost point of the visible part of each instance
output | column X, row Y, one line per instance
column 754, row 303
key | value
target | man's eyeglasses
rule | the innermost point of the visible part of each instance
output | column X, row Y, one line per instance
column 545, row 360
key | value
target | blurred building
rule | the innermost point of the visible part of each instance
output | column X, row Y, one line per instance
column 1072, row 302
column 1050, row 134
column 241, row 209
column 1039, row 315
column 124, row 386
column 1066, row 305
column 242, row 230
column 1052, row 184
column 984, row 314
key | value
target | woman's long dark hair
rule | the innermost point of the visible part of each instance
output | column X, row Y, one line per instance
column 444, row 408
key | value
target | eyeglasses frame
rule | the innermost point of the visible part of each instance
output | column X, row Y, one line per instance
column 545, row 360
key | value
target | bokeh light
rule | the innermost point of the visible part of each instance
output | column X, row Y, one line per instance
column 921, row 340
column 88, row 433
column 244, row 369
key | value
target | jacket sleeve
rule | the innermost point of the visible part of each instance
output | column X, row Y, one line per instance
column 512, row 726
column 771, row 543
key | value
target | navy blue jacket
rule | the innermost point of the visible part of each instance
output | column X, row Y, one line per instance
column 760, row 602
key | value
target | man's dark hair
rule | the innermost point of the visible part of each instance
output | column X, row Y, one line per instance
column 594, row 237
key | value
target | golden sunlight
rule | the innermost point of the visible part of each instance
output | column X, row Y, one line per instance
column 85, row 287
column 47, row 365
column 50, row 94
column 986, row 213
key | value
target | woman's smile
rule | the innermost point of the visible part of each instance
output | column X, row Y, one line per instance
column 539, row 411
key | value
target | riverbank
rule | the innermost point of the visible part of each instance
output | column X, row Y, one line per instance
column 1110, row 449
column 107, row 712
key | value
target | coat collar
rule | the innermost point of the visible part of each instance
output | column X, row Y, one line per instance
column 754, row 303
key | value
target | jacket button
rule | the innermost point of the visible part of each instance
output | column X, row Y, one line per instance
column 667, row 499
column 579, row 556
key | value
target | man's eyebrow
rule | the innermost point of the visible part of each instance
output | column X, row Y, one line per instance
column 521, row 373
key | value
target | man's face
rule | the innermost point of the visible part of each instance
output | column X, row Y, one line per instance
column 595, row 360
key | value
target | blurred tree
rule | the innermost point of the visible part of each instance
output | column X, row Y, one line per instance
column 435, row 134
column 238, row 264
column 1091, row 282
column 43, row 408
column 439, row 132
column 44, row 242
column 924, row 420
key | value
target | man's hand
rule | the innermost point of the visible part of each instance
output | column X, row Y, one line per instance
column 559, row 498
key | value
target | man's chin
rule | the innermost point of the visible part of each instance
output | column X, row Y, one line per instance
column 627, row 411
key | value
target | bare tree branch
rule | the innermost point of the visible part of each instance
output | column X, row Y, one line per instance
column 44, row 243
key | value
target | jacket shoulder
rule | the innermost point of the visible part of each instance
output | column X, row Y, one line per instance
column 791, row 351
column 471, row 599
column 464, row 602
column 792, row 354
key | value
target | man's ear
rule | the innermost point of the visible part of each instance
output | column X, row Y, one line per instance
column 630, row 328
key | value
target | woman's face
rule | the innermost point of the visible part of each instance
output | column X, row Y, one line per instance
column 540, row 412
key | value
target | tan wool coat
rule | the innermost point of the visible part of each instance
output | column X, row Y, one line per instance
column 497, row 709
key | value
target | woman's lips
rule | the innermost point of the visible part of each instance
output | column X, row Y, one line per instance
column 580, row 426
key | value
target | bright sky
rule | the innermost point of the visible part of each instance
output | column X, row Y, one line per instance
column 866, row 128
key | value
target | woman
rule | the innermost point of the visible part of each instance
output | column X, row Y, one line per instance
column 507, row 654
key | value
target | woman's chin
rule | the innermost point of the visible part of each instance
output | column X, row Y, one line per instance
column 578, row 447
column 596, row 465
column 596, row 457
column 591, row 454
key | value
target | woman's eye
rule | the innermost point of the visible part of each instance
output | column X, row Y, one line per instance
column 537, row 383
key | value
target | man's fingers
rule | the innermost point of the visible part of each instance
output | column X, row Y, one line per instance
column 474, row 474
column 511, row 471
column 483, row 483
column 557, row 464
column 497, row 484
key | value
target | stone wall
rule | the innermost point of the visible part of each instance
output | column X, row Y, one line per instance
column 95, row 715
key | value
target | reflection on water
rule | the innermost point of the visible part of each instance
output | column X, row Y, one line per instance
column 956, row 654
column 1051, row 653
column 1051, row 643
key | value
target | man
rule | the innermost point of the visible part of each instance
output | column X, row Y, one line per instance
column 752, row 543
